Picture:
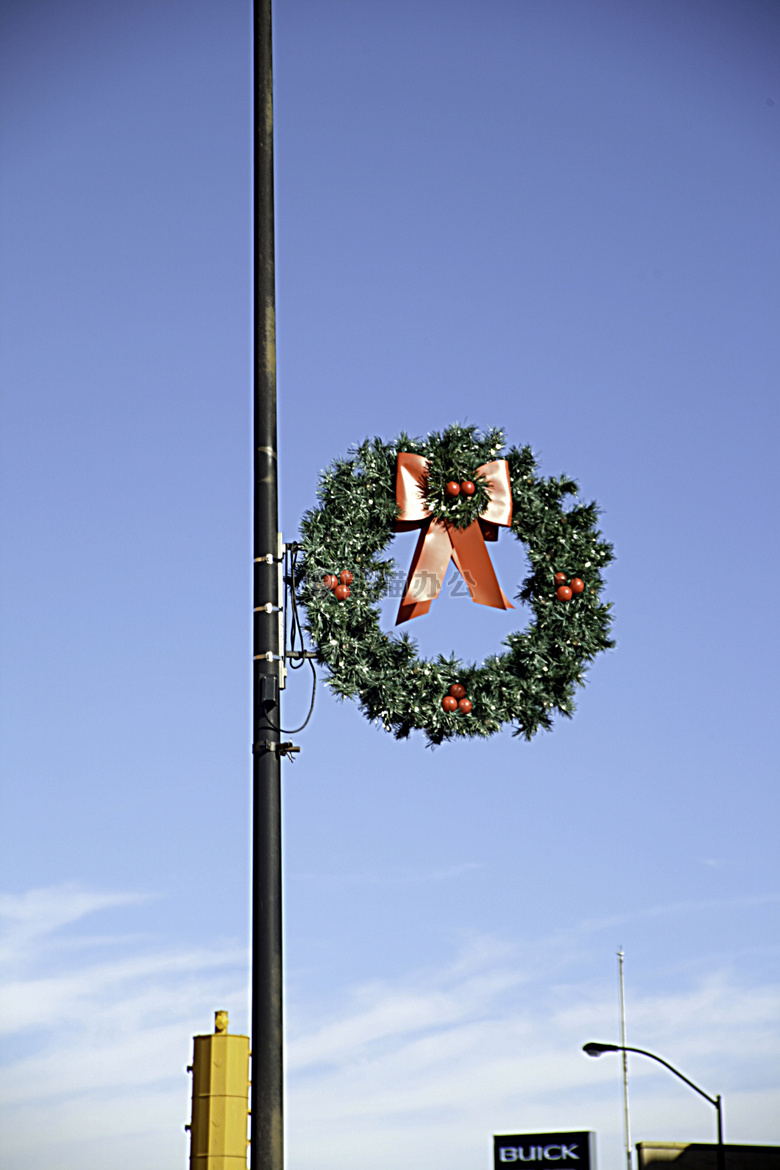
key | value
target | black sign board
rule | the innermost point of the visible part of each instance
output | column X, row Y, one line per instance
column 572, row 1151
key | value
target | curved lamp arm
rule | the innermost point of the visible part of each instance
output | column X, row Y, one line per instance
column 594, row 1049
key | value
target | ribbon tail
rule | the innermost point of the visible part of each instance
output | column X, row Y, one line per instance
column 473, row 562
column 426, row 573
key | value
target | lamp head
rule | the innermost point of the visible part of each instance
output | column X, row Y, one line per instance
column 594, row 1049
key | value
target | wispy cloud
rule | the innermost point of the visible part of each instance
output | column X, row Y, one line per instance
column 96, row 1038
column 417, row 1070
column 38, row 914
column 591, row 926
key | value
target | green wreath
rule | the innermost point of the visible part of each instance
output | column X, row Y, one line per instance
column 344, row 575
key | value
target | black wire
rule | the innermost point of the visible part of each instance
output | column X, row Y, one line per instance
column 296, row 633
column 293, row 730
column 296, row 629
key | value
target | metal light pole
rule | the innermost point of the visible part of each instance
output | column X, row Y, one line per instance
column 266, row 1142
column 594, row 1049
column 626, row 1113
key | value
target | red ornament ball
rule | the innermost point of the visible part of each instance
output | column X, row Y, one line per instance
column 465, row 706
column 457, row 690
column 577, row 585
column 560, row 578
column 452, row 488
column 329, row 581
column 467, row 487
column 346, row 577
column 449, row 703
column 563, row 593
column 342, row 592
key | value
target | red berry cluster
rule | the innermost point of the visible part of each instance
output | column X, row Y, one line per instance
column 340, row 585
column 565, row 592
column 456, row 699
column 454, row 488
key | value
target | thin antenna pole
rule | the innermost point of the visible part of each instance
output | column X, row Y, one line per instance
column 626, row 1114
column 267, row 1152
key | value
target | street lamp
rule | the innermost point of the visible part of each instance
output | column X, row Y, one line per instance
column 594, row 1049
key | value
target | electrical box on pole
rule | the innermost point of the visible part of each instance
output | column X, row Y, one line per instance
column 220, row 1099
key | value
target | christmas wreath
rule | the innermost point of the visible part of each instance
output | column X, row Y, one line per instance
column 458, row 489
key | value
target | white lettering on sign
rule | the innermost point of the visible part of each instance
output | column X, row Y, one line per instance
column 536, row 1153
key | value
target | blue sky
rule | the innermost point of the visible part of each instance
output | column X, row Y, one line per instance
column 555, row 217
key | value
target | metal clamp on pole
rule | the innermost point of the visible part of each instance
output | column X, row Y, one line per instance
column 283, row 749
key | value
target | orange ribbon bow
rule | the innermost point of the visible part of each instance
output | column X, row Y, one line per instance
column 441, row 542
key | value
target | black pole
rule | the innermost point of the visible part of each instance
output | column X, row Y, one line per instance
column 266, row 1142
column 721, row 1147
